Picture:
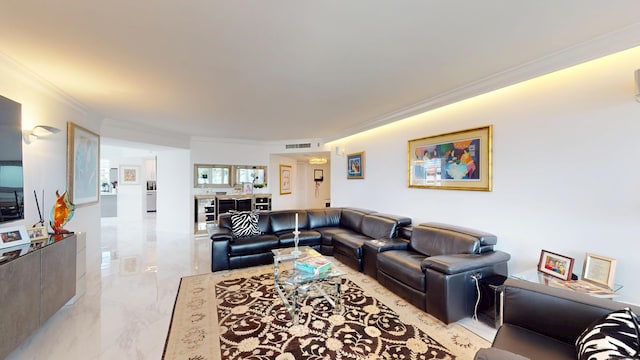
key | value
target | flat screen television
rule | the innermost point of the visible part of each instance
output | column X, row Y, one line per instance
column 11, row 175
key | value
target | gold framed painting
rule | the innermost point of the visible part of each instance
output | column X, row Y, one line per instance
column 458, row 160
column 83, row 165
column 285, row 179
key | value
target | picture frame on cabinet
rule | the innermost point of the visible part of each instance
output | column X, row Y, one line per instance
column 83, row 165
column 459, row 160
column 13, row 236
column 37, row 233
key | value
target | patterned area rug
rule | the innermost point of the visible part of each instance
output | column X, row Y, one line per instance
column 237, row 315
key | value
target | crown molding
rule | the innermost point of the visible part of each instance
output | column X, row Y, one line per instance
column 35, row 80
column 601, row 46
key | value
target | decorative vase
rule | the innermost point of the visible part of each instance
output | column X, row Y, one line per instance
column 61, row 212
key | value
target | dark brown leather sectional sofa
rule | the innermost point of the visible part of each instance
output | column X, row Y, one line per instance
column 430, row 265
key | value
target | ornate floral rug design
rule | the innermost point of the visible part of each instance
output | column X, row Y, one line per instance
column 237, row 315
column 254, row 323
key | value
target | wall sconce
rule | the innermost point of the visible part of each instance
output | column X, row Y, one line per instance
column 38, row 131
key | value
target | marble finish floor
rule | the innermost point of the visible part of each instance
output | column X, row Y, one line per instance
column 126, row 310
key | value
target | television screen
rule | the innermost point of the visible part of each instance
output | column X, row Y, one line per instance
column 11, row 177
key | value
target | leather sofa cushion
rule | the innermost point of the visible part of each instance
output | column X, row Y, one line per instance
column 324, row 217
column 349, row 243
column 535, row 345
column 286, row 220
column 328, row 233
column 253, row 245
column 306, row 237
column 377, row 227
column 404, row 266
column 352, row 219
column 434, row 241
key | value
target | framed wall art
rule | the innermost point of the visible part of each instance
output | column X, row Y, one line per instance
column 599, row 270
column 129, row 175
column 83, row 165
column 355, row 165
column 13, row 236
column 285, row 179
column 458, row 160
column 556, row 265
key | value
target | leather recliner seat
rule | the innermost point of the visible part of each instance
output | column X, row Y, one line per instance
column 435, row 270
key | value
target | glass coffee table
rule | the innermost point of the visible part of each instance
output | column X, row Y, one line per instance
column 293, row 285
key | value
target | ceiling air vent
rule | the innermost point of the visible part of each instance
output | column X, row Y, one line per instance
column 298, row 146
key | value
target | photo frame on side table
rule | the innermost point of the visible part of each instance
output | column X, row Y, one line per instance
column 355, row 165
column 13, row 236
column 285, row 179
column 599, row 270
column 556, row 265
column 458, row 160
column 83, row 165
column 129, row 175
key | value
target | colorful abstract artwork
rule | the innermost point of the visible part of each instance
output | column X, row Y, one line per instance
column 457, row 161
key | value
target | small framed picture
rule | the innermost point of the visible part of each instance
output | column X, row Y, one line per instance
column 13, row 236
column 129, row 175
column 556, row 265
column 599, row 270
column 318, row 175
column 355, row 165
column 37, row 233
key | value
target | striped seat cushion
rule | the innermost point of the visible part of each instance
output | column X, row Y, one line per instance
column 614, row 336
column 244, row 223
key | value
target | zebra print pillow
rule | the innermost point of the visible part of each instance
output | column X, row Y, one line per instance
column 244, row 223
column 614, row 336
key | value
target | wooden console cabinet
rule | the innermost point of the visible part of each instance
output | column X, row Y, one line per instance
column 34, row 286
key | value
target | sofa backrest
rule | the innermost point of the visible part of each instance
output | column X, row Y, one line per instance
column 379, row 227
column 352, row 218
column 324, row 217
column 487, row 240
column 285, row 220
column 434, row 241
column 224, row 221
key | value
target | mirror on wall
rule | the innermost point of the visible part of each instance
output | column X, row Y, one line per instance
column 207, row 175
column 256, row 175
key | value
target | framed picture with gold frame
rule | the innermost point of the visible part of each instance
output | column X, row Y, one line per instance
column 285, row 179
column 355, row 165
column 458, row 160
column 83, row 165
column 599, row 270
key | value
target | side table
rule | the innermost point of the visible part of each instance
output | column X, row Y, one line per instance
column 490, row 304
column 370, row 251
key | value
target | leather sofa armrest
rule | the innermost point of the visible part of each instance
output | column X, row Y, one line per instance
column 382, row 245
column 221, row 234
column 497, row 354
column 459, row 263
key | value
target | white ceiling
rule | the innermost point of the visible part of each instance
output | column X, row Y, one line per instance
column 289, row 69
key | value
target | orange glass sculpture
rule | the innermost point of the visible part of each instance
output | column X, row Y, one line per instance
column 61, row 213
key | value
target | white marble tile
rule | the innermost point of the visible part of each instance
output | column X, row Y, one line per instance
column 126, row 309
